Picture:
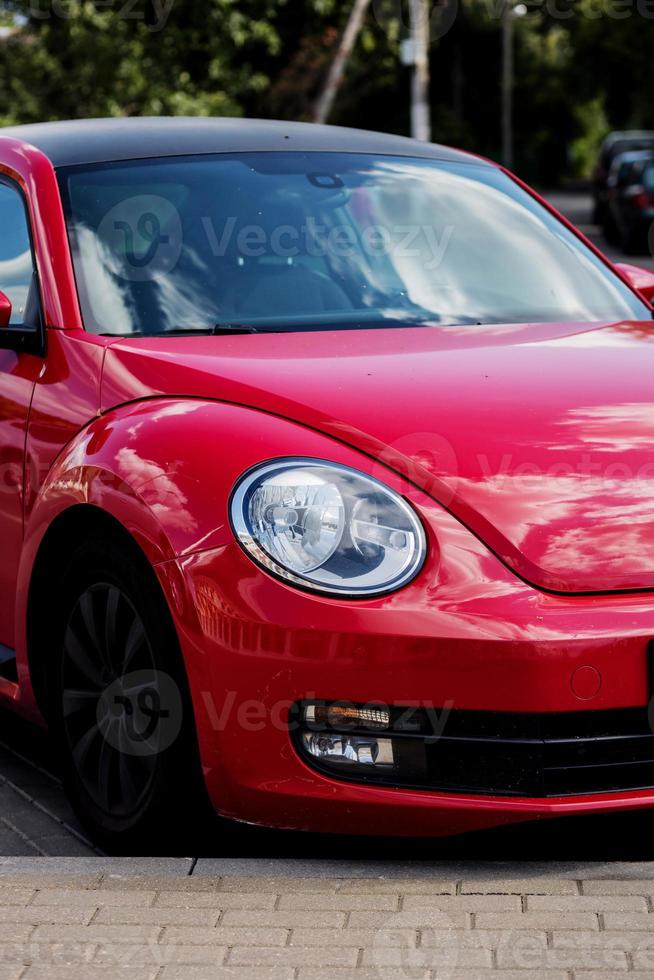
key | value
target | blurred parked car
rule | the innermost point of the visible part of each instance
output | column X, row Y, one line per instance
column 630, row 200
column 615, row 144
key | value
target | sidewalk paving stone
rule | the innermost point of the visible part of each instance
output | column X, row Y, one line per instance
column 107, row 925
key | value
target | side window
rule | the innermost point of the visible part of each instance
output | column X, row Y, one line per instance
column 17, row 276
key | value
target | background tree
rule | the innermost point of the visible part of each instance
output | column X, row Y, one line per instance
column 582, row 67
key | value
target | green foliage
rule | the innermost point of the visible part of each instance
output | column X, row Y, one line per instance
column 593, row 126
column 79, row 58
column 582, row 67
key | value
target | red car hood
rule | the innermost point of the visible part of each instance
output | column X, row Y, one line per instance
column 539, row 437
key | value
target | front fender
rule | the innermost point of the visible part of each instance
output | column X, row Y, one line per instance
column 164, row 468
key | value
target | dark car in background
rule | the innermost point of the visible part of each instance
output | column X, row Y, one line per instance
column 615, row 144
column 629, row 212
column 629, row 209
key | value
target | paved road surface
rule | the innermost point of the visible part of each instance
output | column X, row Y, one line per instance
column 577, row 208
column 464, row 926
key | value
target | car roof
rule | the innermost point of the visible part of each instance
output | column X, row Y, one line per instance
column 628, row 134
column 87, row 141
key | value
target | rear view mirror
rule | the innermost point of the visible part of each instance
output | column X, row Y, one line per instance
column 642, row 280
column 5, row 310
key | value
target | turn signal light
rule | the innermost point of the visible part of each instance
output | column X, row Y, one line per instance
column 347, row 716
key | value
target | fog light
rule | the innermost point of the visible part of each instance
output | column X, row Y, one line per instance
column 347, row 716
column 349, row 749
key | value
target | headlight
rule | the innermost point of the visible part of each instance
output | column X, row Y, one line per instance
column 327, row 527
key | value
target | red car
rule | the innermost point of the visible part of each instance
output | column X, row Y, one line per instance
column 327, row 471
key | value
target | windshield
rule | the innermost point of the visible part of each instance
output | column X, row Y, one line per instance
column 291, row 241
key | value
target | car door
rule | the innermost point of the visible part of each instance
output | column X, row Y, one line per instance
column 21, row 360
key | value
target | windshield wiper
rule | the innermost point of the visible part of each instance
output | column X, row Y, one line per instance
column 222, row 328
column 216, row 330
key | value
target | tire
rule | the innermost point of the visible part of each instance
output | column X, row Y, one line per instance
column 120, row 707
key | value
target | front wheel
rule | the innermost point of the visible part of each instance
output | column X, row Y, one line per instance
column 121, row 709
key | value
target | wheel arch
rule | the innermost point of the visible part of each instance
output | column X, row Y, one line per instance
column 66, row 532
column 120, row 472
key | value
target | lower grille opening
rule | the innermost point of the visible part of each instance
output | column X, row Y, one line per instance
column 480, row 752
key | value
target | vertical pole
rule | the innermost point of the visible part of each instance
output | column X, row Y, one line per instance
column 420, row 112
column 507, row 83
column 328, row 95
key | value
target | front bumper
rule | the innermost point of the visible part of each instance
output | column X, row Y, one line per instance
column 504, row 754
column 466, row 635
